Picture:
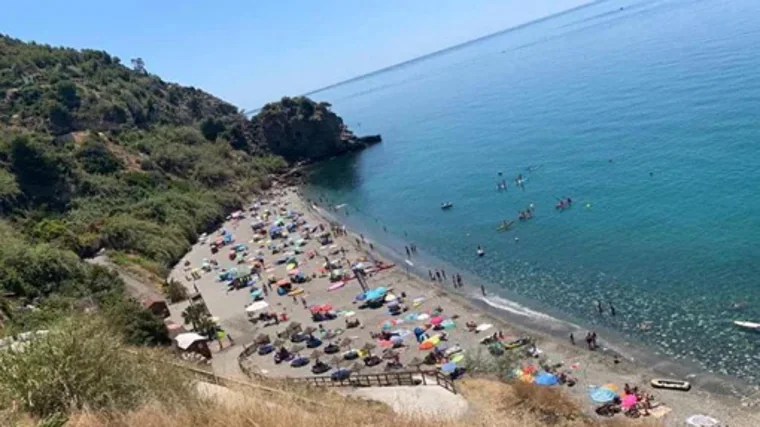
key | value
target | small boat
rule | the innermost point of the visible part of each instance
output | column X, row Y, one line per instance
column 670, row 384
column 445, row 206
column 751, row 326
column 505, row 226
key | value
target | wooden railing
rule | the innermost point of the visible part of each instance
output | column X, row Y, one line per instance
column 389, row 379
column 386, row 379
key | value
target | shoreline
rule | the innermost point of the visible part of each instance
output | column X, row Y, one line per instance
column 551, row 331
column 549, row 325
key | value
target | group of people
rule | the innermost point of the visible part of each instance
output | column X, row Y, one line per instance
column 440, row 276
column 527, row 213
column 411, row 250
column 590, row 340
column 563, row 204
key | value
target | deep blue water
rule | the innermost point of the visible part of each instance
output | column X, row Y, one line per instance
column 599, row 98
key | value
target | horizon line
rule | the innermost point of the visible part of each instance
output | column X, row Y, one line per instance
column 453, row 47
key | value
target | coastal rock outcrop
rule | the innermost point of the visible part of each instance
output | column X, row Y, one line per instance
column 300, row 129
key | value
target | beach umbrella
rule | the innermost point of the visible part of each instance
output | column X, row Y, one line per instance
column 629, row 401
column 426, row 345
column 601, row 395
column 448, row 368
column 702, row 421
column 437, row 320
column 448, row 324
column 545, row 378
column 257, row 306
column 387, row 325
column 423, row 316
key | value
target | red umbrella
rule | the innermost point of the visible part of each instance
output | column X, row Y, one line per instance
column 326, row 307
column 315, row 309
column 293, row 272
column 283, row 282
column 437, row 320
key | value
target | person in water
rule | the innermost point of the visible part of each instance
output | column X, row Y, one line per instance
column 483, row 290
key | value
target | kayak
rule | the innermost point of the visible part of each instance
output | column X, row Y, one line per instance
column 505, row 227
column 752, row 326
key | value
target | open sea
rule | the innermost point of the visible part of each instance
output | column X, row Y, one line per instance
column 646, row 113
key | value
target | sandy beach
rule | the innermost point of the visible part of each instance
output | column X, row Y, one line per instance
column 589, row 368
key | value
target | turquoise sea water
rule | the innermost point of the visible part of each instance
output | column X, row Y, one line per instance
column 599, row 98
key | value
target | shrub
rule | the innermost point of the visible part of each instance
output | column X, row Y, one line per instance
column 81, row 364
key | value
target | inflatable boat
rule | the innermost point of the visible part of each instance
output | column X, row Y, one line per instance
column 670, row 384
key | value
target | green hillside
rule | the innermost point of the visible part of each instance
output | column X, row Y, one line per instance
column 97, row 155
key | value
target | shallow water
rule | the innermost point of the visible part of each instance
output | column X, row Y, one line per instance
column 596, row 99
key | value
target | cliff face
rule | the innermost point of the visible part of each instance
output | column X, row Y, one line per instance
column 301, row 129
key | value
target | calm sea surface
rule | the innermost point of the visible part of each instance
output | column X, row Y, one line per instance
column 647, row 116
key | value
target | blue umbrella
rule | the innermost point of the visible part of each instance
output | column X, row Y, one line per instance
column 448, row 368
column 545, row 378
column 601, row 395
column 418, row 331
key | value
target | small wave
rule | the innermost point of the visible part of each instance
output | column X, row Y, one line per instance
column 515, row 308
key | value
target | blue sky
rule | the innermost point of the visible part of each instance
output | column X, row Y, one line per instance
column 251, row 52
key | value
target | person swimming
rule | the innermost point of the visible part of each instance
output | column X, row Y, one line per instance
column 481, row 252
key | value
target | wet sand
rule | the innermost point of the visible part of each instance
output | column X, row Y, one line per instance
column 590, row 368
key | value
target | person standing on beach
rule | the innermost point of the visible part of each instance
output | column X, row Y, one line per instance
column 588, row 341
column 303, row 301
column 443, row 273
column 593, row 339
column 430, row 273
column 572, row 338
column 438, row 275
column 483, row 290
column 408, row 254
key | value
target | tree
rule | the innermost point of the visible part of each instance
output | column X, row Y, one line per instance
column 139, row 65
column 175, row 290
column 194, row 315
column 96, row 158
column 59, row 117
column 67, row 95
column 211, row 128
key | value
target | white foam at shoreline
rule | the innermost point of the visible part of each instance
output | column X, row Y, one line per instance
column 514, row 308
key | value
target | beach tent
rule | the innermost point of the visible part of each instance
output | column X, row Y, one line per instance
column 545, row 378
column 184, row 341
column 257, row 306
column 601, row 394
column 702, row 421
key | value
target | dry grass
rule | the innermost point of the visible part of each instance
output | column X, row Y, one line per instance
column 493, row 404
